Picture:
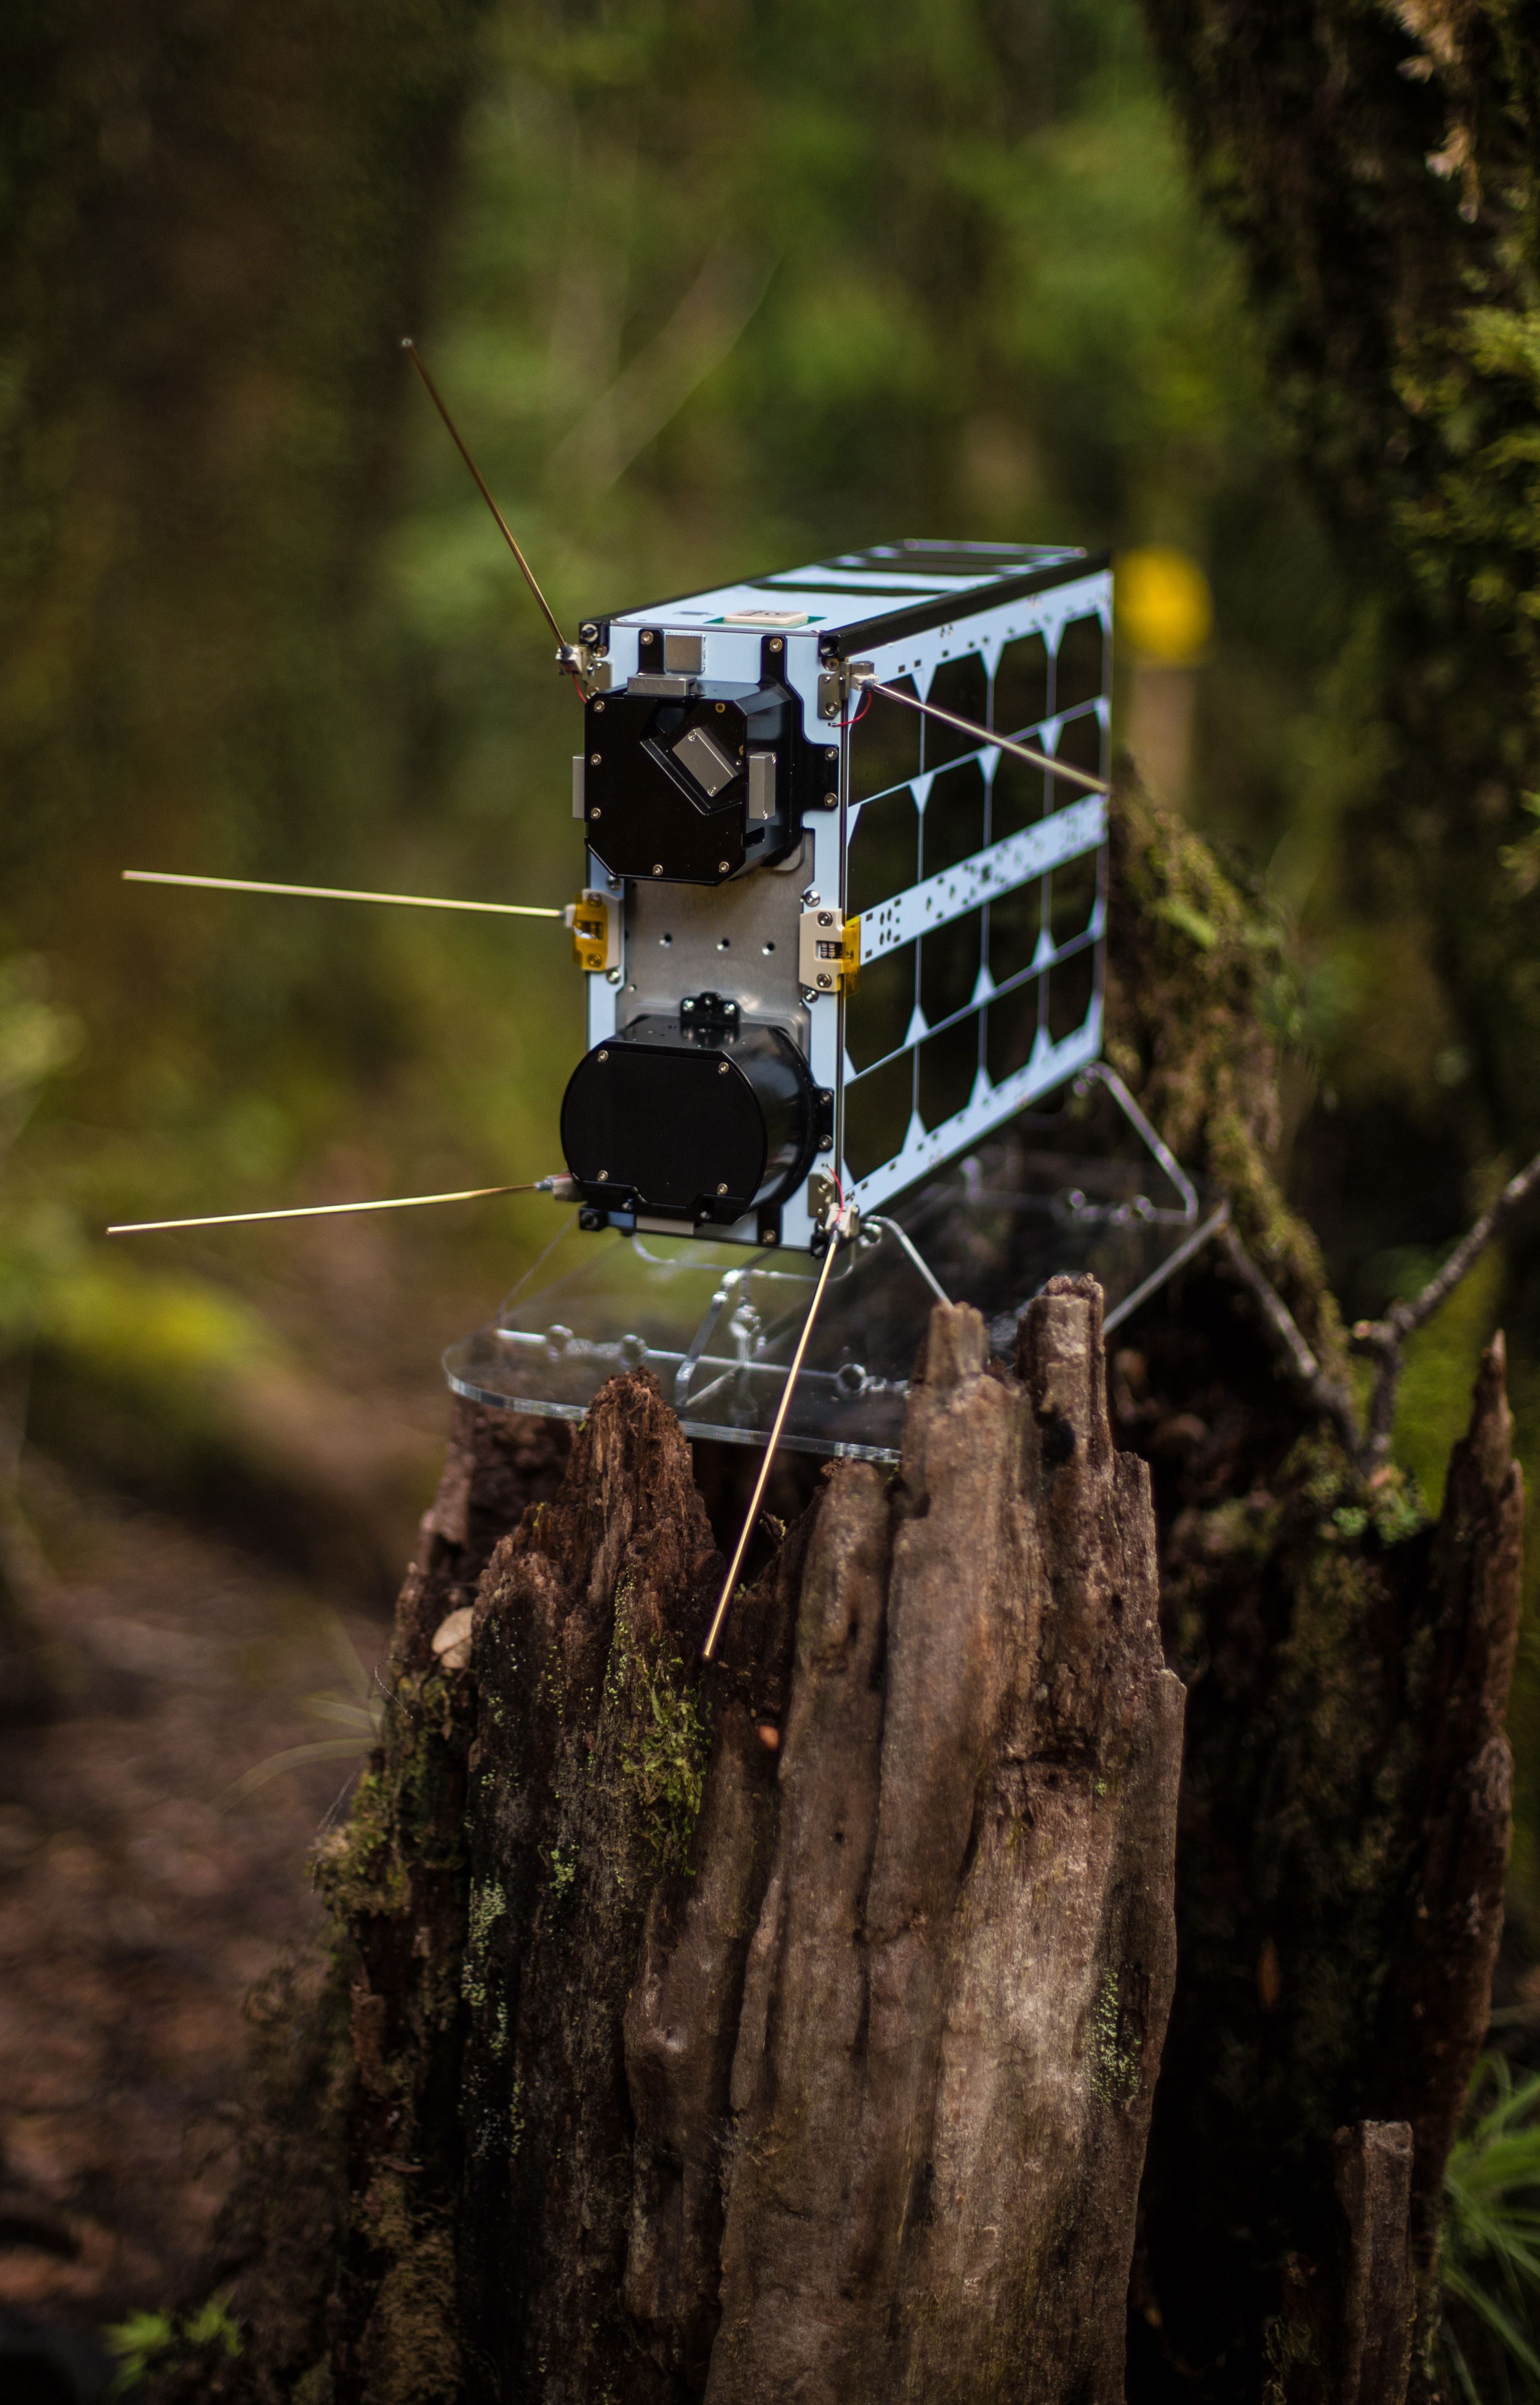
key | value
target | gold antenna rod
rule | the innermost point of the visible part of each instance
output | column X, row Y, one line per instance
column 338, row 893
column 841, row 1223
column 332, row 1210
column 1001, row 743
column 414, row 355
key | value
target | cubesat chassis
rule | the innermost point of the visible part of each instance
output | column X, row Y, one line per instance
column 832, row 942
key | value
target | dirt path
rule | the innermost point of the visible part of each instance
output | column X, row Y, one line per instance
column 136, row 1909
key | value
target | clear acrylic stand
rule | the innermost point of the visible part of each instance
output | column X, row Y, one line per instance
column 1086, row 1187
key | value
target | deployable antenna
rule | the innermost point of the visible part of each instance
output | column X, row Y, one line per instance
column 558, row 1185
column 570, row 657
column 340, row 893
column 840, row 1232
column 864, row 681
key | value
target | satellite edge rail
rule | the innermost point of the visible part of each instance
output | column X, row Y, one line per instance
column 844, row 920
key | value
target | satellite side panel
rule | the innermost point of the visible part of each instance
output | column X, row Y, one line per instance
column 980, row 882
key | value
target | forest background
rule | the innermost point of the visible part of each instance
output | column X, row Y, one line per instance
column 712, row 286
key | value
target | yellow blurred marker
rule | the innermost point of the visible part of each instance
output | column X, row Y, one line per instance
column 1165, row 608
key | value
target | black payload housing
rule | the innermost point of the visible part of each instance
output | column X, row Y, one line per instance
column 702, row 1118
column 693, row 781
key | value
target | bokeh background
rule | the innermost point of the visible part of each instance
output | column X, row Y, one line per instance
column 712, row 286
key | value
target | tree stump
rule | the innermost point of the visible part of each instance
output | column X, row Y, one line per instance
column 810, row 2004
column 789, row 2029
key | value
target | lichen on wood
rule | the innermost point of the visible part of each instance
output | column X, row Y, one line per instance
column 797, row 2019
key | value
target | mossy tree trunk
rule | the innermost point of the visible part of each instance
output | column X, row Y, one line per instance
column 1377, row 166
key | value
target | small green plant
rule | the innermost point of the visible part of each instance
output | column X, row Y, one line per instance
column 361, row 1709
column 141, row 2340
column 137, row 2343
column 1491, row 2228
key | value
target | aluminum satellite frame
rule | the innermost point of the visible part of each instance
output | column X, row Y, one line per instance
column 844, row 925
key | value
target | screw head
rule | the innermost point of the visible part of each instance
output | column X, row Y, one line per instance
column 603, row 1177
column 657, row 868
column 599, row 705
column 721, row 865
column 614, row 976
column 811, row 895
column 826, row 918
column 776, row 644
column 722, row 1188
column 595, row 812
column 825, row 980
column 826, row 1144
column 721, row 1072
column 830, row 801
column 721, row 709
column 594, row 759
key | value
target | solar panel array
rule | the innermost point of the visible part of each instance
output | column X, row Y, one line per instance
column 981, row 886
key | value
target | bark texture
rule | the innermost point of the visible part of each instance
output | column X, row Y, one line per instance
column 809, row 2009
column 792, row 2030
column 1345, row 1825
column 1377, row 163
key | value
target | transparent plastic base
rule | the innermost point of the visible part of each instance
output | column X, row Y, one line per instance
column 1083, row 1187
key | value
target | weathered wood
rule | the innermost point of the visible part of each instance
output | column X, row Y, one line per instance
column 808, row 2008
column 959, row 1982
column 1344, row 1835
column 1374, row 2187
column 396, row 1878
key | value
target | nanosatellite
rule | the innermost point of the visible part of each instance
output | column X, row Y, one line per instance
column 843, row 925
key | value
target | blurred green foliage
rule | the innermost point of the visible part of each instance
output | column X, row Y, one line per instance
column 711, row 284
column 1490, row 2262
column 711, row 288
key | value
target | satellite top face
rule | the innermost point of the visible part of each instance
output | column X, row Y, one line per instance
column 832, row 933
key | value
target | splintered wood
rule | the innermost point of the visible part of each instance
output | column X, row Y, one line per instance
column 822, row 2067
column 956, row 1985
